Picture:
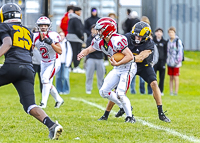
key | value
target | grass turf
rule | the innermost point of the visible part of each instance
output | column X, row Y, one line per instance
column 79, row 119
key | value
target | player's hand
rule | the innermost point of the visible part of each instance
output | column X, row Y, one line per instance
column 113, row 62
column 80, row 56
column 47, row 40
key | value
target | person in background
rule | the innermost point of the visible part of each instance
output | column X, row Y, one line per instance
column 174, row 59
column 36, row 61
column 65, row 19
column 75, row 37
column 162, row 49
column 18, row 69
column 62, row 77
column 132, row 21
column 94, row 61
column 124, row 24
column 91, row 20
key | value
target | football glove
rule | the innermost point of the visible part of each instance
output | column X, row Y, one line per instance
column 48, row 40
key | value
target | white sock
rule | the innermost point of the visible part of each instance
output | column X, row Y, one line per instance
column 45, row 93
column 55, row 94
column 113, row 97
column 126, row 105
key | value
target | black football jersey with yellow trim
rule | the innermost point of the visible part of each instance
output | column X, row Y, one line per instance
column 20, row 52
column 137, row 48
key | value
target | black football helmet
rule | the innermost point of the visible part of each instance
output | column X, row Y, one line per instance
column 10, row 11
column 141, row 29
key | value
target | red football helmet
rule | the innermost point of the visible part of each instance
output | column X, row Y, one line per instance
column 106, row 26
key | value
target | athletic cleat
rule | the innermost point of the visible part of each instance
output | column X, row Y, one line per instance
column 55, row 131
column 130, row 119
column 162, row 117
column 58, row 104
column 121, row 112
column 103, row 118
column 42, row 105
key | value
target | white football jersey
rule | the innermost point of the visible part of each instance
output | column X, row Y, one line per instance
column 117, row 43
column 46, row 50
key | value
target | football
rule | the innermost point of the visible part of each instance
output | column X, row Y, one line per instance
column 118, row 56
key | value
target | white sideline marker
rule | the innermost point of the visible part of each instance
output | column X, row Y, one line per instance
column 168, row 130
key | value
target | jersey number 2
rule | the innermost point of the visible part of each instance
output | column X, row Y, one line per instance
column 21, row 37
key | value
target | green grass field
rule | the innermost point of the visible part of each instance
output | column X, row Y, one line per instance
column 80, row 112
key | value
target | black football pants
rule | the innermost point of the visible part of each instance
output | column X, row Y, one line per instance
column 22, row 77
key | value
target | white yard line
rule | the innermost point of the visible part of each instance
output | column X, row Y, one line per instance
column 168, row 130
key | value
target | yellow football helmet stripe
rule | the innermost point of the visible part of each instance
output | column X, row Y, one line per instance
column 1, row 14
column 144, row 30
column 133, row 29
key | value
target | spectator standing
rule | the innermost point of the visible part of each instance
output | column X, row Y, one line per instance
column 162, row 50
column 65, row 19
column 174, row 59
column 94, row 61
column 124, row 26
column 91, row 20
column 62, row 78
column 132, row 21
column 75, row 37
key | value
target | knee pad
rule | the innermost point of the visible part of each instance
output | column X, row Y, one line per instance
column 30, row 107
column 103, row 93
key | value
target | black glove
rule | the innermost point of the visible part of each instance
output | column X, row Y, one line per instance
column 48, row 40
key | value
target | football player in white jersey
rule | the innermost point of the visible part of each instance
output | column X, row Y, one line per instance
column 48, row 44
column 109, row 42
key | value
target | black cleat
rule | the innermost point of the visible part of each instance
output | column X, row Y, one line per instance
column 130, row 119
column 162, row 117
column 103, row 118
column 120, row 112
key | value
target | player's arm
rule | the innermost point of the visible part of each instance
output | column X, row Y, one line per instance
column 128, row 56
column 7, row 44
column 57, row 48
column 85, row 52
column 143, row 55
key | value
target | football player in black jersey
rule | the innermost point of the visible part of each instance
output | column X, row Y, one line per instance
column 16, row 45
column 142, row 47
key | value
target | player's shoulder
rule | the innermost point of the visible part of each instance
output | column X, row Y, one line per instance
column 4, row 27
column 36, row 34
column 52, row 34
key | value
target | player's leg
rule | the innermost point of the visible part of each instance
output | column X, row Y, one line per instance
column 46, row 71
column 25, row 86
column 126, row 75
column 110, row 82
column 90, row 68
column 149, row 76
column 53, row 90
